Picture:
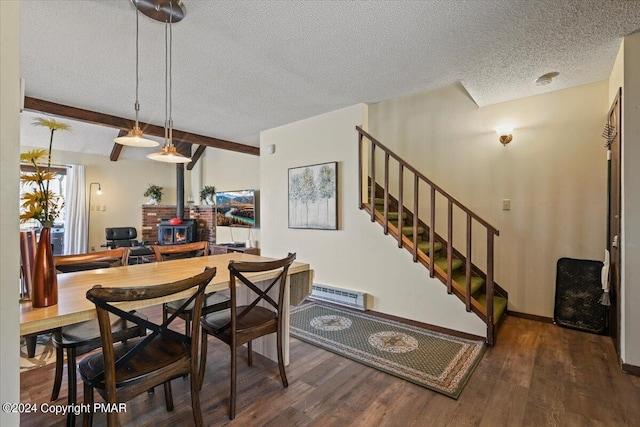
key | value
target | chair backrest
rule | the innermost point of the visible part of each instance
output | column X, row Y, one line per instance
column 187, row 250
column 104, row 297
column 238, row 270
column 121, row 237
column 92, row 260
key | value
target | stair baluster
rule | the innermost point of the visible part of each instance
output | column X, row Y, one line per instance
column 400, row 203
column 467, row 299
column 386, row 193
column 449, row 245
column 432, row 236
column 415, row 218
column 372, row 201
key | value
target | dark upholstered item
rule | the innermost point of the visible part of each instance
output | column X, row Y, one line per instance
column 125, row 237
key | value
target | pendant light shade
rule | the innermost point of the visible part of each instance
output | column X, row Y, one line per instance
column 135, row 137
column 168, row 153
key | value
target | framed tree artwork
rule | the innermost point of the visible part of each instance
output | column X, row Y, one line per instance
column 313, row 196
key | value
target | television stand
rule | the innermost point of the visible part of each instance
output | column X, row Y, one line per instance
column 224, row 249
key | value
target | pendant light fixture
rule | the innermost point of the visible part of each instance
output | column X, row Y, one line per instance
column 168, row 153
column 135, row 137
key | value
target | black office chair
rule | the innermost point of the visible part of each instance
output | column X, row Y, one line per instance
column 126, row 237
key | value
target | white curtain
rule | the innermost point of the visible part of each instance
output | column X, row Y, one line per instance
column 75, row 223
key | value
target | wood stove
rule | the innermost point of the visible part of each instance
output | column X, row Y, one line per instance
column 177, row 234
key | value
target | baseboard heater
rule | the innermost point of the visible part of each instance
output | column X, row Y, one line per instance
column 346, row 297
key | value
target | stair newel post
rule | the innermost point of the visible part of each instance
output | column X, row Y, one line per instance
column 415, row 217
column 449, row 245
column 489, row 288
column 400, row 203
column 386, row 193
column 467, row 297
column 432, row 235
column 372, row 200
column 359, row 170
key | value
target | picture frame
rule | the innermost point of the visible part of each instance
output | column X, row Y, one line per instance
column 313, row 196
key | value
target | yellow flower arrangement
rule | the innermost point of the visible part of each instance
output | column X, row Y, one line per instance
column 41, row 203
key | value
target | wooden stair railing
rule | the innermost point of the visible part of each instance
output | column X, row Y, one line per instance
column 485, row 312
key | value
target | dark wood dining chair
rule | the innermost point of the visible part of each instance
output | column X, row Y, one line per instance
column 124, row 370
column 81, row 338
column 242, row 324
column 214, row 301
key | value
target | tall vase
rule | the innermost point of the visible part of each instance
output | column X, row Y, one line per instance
column 45, row 280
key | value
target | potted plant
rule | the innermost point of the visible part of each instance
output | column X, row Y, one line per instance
column 41, row 203
column 155, row 192
column 207, row 194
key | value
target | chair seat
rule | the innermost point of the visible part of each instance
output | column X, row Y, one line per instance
column 211, row 300
column 87, row 334
column 159, row 353
column 258, row 320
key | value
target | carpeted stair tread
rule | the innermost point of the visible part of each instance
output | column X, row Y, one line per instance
column 407, row 230
column 425, row 246
column 442, row 263
column 476, row 282
column 379, row 201
column 499, row 305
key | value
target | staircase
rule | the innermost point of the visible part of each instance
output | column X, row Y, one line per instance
column 471, row 284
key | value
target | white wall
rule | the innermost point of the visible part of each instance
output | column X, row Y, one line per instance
column 631, row 201
column 9, row 173
column 357, row 256
column 229, row 171
column 554, row 173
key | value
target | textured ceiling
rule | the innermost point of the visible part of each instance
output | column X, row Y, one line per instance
column 246, row 66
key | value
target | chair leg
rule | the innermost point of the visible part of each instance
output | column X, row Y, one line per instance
column 71, row 384
column 168, row 396
column 57, row 380
column 203, row 358
column 31, row 345
column 187, row 323
column 283, row 374
column 232, row 396
column 195, row 399
column 249, row 354
column 87, row 418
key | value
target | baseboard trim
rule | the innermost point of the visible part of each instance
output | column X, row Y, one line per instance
column 530, row 316
column 411, row 322
column 631, row 369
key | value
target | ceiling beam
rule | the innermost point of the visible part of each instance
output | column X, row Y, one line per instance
column 196, row 156
column 117, row 148
column 102, row 119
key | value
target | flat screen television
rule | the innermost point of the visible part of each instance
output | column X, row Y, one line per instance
column 236, row 208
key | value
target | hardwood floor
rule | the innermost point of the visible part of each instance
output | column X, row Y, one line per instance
column 537, row 375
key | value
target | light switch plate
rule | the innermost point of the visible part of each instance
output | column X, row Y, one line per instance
column 506, row 204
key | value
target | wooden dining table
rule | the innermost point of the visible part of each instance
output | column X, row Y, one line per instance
column 73, row 306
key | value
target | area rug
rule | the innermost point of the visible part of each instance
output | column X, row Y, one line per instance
column 44, row 355
column 440, row 362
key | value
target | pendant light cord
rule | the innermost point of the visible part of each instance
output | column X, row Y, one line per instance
column 170, row 74
column 166, row 86
column 137, row 104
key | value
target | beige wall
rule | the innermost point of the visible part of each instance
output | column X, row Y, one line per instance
column 229, row 171
column 554, row 173
column 631, row 201
column 9, row 172
column 123, row 185
column 358, row 256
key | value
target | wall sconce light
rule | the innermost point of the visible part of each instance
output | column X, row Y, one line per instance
column 504, row 133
